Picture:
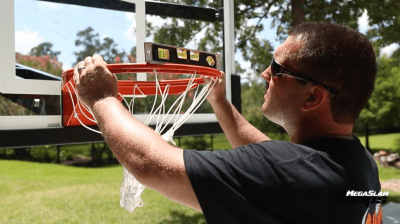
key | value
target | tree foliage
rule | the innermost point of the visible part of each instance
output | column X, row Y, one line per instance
column 250, row 21
column 92, row 44
column 250, row 17
column 44, row 49
column 384, row 19
column 43, row 62
column 383, row 107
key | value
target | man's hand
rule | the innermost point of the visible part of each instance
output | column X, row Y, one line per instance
column 218, row 92
column 95, row 82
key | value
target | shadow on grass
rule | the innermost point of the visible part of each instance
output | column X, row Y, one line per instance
column 395, row 198
column 181, row 217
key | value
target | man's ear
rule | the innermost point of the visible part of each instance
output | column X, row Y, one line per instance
column 317, row 95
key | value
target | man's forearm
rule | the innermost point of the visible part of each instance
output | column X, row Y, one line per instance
column 139, row 148
column 236, row 128
column 154, row 163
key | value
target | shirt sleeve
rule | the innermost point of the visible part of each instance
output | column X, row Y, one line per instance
column 228, row 182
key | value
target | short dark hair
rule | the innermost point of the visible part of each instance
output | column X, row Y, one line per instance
column 340, row 57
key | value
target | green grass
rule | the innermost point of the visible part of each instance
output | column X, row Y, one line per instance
column 394, row 196
column 388, row 173
column 49, row 193
column 383, row 142
column 221, row 142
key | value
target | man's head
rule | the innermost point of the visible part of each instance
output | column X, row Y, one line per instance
column 331, row 56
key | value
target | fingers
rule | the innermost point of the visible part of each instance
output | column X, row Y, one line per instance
column 78, row 68
column 208, row 79
column 98, row 61
column 88, row 62
column 222, row 77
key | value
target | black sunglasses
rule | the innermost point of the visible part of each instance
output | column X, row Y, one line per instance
column 277, row 69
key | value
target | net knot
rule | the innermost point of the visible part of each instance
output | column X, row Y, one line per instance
column 168, row 136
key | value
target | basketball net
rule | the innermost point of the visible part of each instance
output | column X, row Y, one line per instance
column 131, row 189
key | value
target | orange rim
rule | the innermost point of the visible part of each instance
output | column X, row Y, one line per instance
column 176, row 86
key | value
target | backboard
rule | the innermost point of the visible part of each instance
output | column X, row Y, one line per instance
column 30, row 99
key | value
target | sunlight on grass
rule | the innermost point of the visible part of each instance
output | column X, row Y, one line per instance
column 49, row 193
column 221, row 142
column 388, row 173
column 384, row 141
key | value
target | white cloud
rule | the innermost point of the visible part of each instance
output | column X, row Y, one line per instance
column 44, row 6
column 157, row 21
column 388, row 50
column 26, row 40
column 66, row 66
column 130, row 33
column 104, row 35
column 363, row 23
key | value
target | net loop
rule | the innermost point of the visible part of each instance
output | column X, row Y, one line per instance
column 168, row 136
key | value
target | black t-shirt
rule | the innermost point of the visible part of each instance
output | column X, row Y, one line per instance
column 283, row 182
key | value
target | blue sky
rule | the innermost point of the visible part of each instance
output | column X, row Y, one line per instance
column 37, row 22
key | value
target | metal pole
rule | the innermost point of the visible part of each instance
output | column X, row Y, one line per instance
column 229, row 39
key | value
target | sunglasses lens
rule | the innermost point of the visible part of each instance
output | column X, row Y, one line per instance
column 274, row 68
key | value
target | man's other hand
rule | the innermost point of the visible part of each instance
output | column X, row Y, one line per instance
column 218, row 92
column 94, row 81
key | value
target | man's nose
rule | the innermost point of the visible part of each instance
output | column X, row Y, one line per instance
column 266, row 74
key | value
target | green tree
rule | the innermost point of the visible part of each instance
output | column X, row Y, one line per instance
column 91, row 44
column 384, row 19
column 109, row 51
column 250, row 17
column 197, row 142
column 383, row 108
column 44, row 49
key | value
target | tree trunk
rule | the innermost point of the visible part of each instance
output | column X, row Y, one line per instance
column 93, row 152
column 22, row 154
column 298, row 12
column 212, row 142
column 367, row 137
column 58, row 154
column 109, row 154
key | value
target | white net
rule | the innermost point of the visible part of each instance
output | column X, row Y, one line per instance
column 131, row 189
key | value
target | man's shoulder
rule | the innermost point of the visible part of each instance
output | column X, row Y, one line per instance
column 329, row 148
column 280, row 151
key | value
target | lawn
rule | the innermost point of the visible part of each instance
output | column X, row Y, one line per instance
column 50, row 193
column 384, row 141
column 221, row 142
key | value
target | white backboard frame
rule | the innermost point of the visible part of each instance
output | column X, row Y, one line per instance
column 11, row 84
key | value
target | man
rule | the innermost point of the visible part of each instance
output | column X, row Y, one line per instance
column 318, row 82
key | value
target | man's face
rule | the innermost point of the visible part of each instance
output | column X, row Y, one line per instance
column 281, row 99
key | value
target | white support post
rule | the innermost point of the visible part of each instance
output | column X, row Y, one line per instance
column 229, row 29
column 7, row 41
column 140, row 33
